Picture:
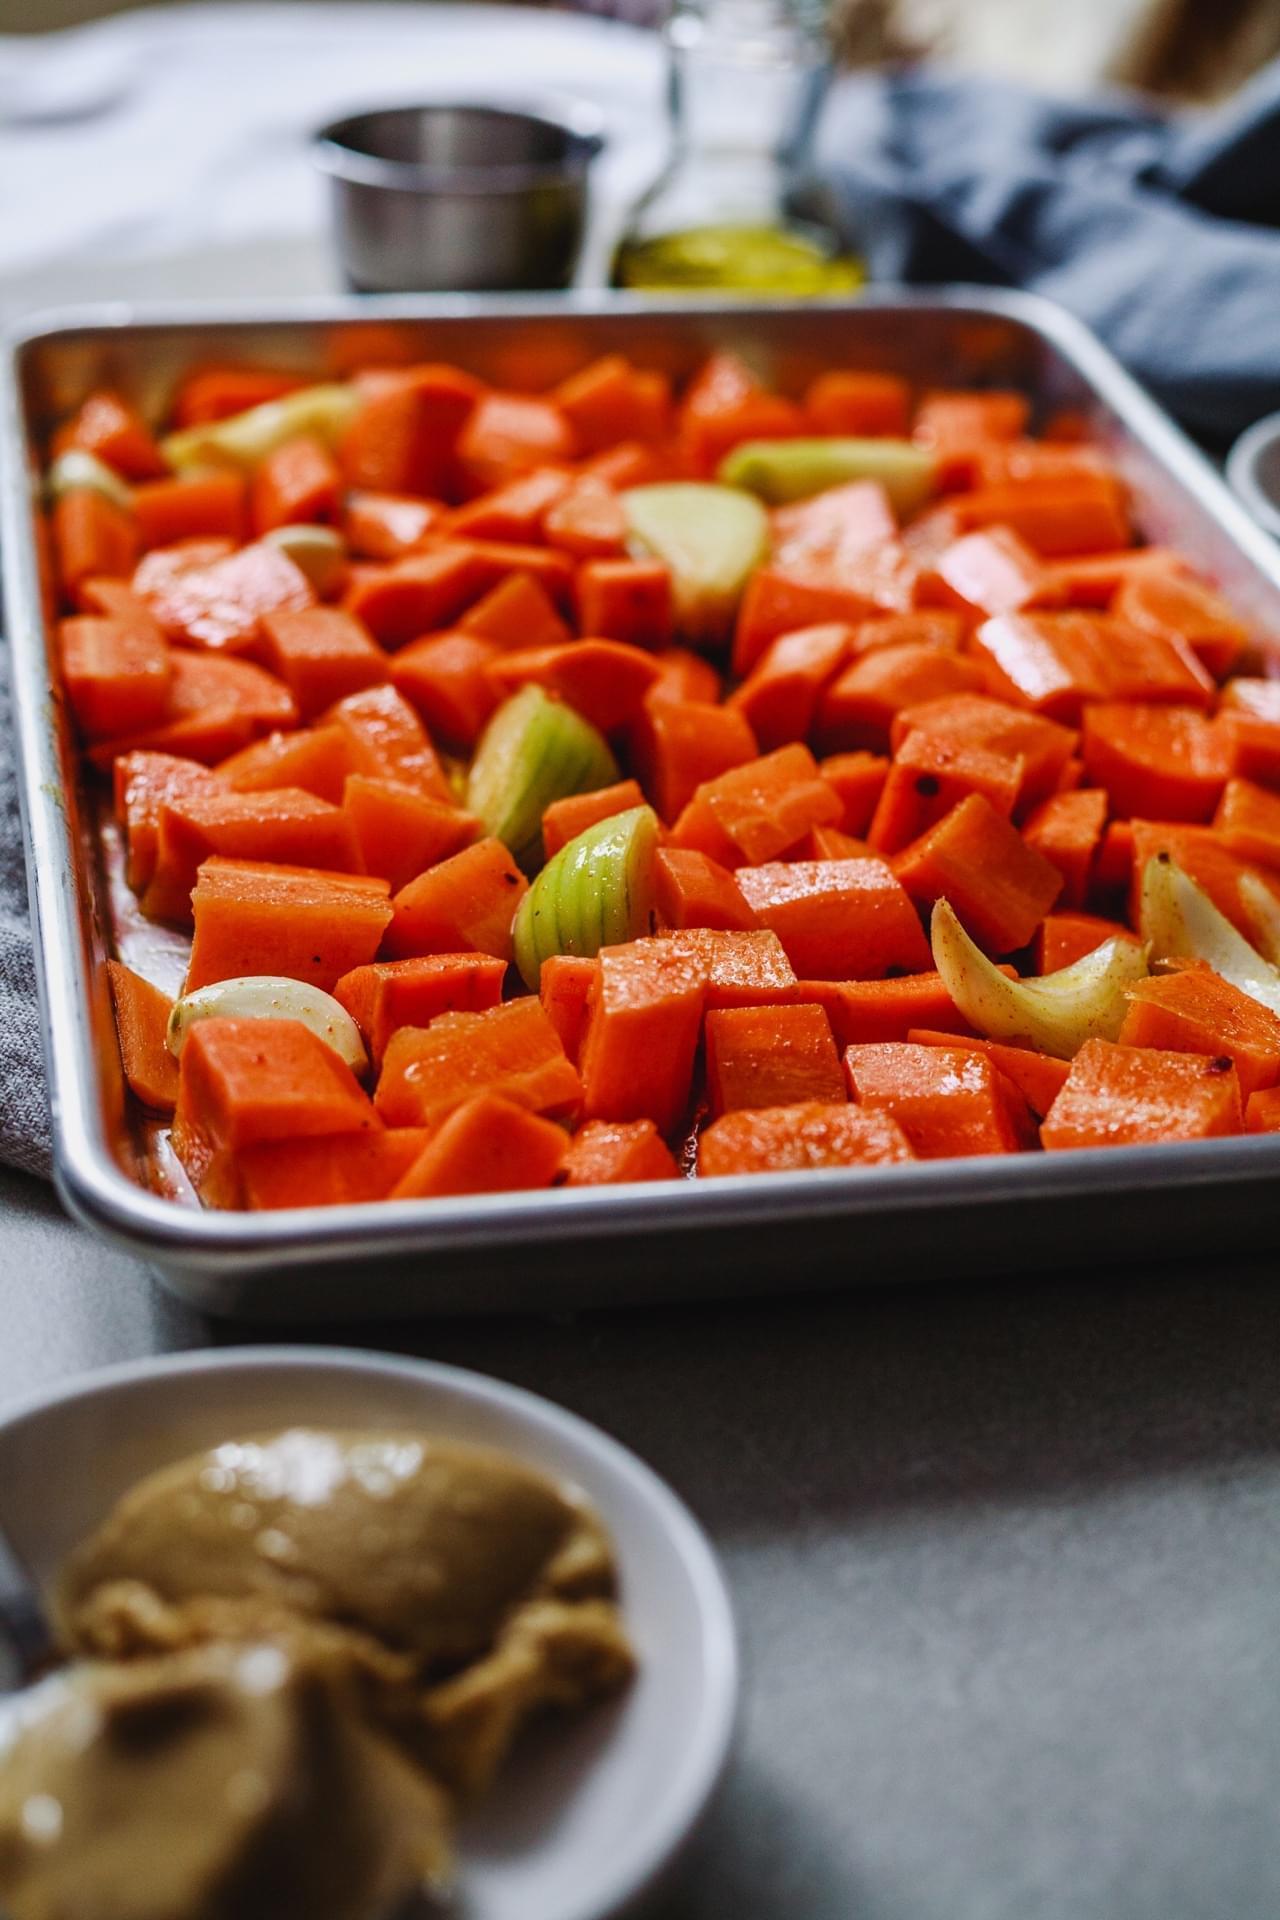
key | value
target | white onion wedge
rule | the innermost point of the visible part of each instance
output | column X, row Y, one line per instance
column 270, row 996
column 246, row 438
column 1056, row 1013
column 78, row 471
column 1180, row 922
column 319, row 552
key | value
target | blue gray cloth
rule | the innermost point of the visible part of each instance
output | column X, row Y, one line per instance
column 1160, row 230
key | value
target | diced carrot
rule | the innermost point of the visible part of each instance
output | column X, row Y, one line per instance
column 116, row 674
column 1196, row 1011
column 92, row 537
column 1056, row 662
column 1082, row 513
column 612, row 1153
column 1038, row 1077
column 386, row 740
column 744, row 967
column 220, row 606
column 778, row 601
column 1169, row 762
column 401, row 831
column 676, row 745
column 771, row 1057
column 1262, row 1112
column 114, row 599
column 684, row 676
column 114, row 432
column 829, row 843
column 859, row 707
column 780, row 696
column 628, row 600
column 489, row 1145
column 957, row 419
column 518, row 612
column 142, row 1024
column 564, row 987
column 929, row 776
column 216, row 393
column 999, row 887
column 610, row 400
column 1251, row 745
column 1000, row 463
column 1067, row 937
column 286, row 828
column 1094, row 580
column 1067, row 829
column 1126, row 1096
column 419, row 594
column 322, row 654
column 1045, row 746
column 859, row 405
column 862, row 1011
column 315, row 759
column 1248, row 821
column 296, row 484
column 308, row 926
column 390, row 994
column 799, row 1139
column 144, row 783
column 933, row 627
column 331, row 1170
column 603, row 680
column 633, row 463
column 858, row 779
column 216, row 705
column 496, row 560
column 588, row 523
column 508, row 435
column 404, row 438
column 991, row 572
column 1175, row 607
column 158, row 571
column 512, row 1050
column 245, row 1081
column 386, row 526
column 725, row 404
column 514, row 511
column 190, row 507
column 832, row 526
column 644, row 1020
column 949, row 1102
column 564, row 820
column 753, row 813
column 1113, row 864
column 444, row 676
column 695, row 891
column 837, row 919
column 466, row 904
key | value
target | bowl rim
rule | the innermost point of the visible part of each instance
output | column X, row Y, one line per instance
column 582, row 123
column 1242, row 471
column 708, row 1749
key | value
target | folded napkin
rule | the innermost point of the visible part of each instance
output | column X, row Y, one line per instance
column 1160, row 230
column 24, row 1112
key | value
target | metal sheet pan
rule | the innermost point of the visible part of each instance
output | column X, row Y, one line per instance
column 603, row 1247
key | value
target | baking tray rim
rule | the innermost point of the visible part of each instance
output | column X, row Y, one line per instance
column 101, row 1193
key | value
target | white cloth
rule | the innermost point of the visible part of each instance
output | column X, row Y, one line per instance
column 163, row 154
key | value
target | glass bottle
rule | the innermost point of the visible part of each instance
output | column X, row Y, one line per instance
column 744, row 77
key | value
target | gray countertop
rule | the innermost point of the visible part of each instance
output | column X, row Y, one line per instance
column 1006, row 1557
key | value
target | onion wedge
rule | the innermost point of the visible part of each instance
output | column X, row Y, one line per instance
column 1056, row 1013
column 1180, row 921
column 270, row 996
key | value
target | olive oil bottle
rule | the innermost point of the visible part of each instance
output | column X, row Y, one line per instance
column 743, row 80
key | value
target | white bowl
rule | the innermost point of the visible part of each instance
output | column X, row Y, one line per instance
column 582, row 1823
column 1253, row 471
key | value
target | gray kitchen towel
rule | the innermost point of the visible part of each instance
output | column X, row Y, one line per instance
column 24, row 1111
column 1160, row 230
